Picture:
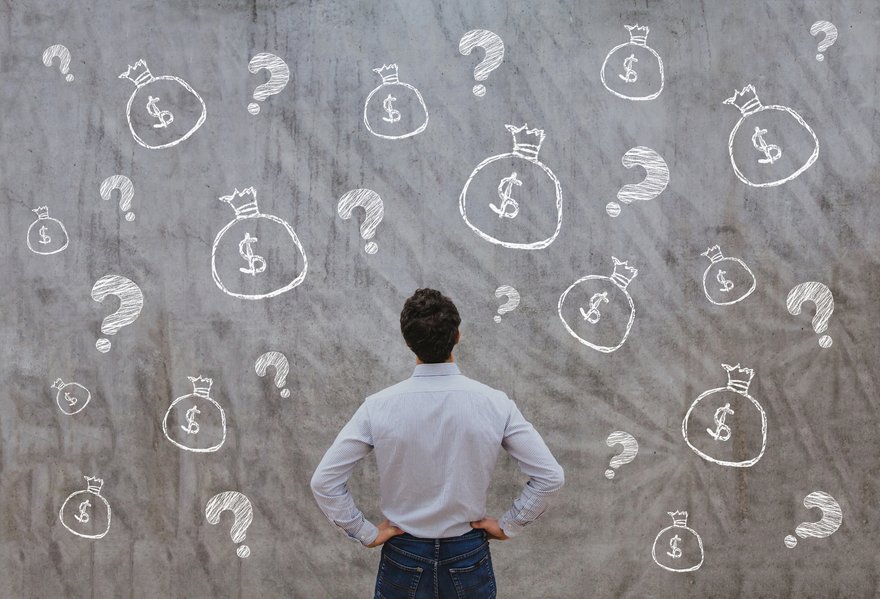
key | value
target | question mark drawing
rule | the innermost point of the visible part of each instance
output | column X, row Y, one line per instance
column 830, row 32
column 282, row 367
column 655, row 182
column 820, row 295
column 511, row 303
column 278, row 78
column 370, row 201
column 830, row 522
column 126, row 192
column 131, row 301
column 62, row 53
column 629, row 453
column 241, row 507
column 494, row 48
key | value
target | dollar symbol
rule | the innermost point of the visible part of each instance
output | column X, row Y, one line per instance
column 393, row 115
column 592, row 316
column 192, row 427
column 71, row 400
column 504, row 192
column 244, row 248
column 673, row 544
column 44, row 237
column 722, row 431
column 83, row 516
column 771, row 152
column 725, row 284
column 165, row 117
column 630, row 76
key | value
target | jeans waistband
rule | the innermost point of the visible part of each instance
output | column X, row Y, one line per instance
column 472, row 533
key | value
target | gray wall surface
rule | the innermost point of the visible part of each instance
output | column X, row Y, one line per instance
column 339, row 329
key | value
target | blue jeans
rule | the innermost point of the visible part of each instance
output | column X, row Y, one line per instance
column 451, row 568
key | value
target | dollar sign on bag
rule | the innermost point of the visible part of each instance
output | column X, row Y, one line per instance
column 192, row 427
column 393, row 115
column 246, row 252
column 722, row 431
column 673, row 544
column 44, row 237
column 165, row 117
column 504, row 191
column 83, row 516
column 592, row 316
column 71, row 400
column 725, row 284
column 771, row 151
column 630, row 76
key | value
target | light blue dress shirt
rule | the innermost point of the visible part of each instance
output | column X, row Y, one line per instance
column 437, row 436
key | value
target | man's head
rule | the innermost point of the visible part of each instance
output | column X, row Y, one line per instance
column 429, row 323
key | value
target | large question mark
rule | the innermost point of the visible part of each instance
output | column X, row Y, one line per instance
column 282, row 367
column 370, row 201
column 494, row 48
column 830, row 32
column 244, row 515
column 278, row 78
column 629, row 453
column 61, row 52
column 830, row 522
column 655, row 182
column 131, row 301
column 126, row 192
column 511, row 303
column 820, row 295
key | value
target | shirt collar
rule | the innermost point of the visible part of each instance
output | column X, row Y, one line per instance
column 444, row 368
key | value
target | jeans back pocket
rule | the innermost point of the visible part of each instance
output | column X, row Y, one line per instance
column 476, row 581
column 396, row 580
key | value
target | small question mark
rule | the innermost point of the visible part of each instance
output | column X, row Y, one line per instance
column 244, row 515
column 61, row 52
column 282, row 367
column 820, row 295
column 370, row 201
column 830, row 522
column 126, row 192
column 629, row 453
column 511, row 303
column 278, row 78
column 830, row 32
column 655, row 182
column 494, row 48
column 131, row 301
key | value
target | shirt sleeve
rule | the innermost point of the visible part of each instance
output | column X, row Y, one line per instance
column 546, row 477
column 329, row 482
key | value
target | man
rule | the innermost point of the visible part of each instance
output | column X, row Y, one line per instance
column 437, row 436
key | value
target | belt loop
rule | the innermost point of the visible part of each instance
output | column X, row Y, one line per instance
column 436, row 548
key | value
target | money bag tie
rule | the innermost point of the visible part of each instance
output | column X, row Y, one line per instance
column 678, row 548
column 46, row 235
column 86, row 513
column 196, row 422
column 633, row 70
column 394, row 110
column 726, row 280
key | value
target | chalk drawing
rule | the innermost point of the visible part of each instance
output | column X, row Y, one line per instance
column 678, row 548
column 726, row 280
column 629, row 453
column 279, row 362
column 46, row 235
column 126, row 192
column 656, row 179
column 830, row 32
column 71, row 397
column 240, row 506
column 63, row 54
column 279, row 75
column 819, row 294
column 195, row 422
column 394, row 110
column 372, row 204
column 832, row 516
column 492, row 45
column 511, row 303
column 86, row 513
column 131, row 302
column 633, row 70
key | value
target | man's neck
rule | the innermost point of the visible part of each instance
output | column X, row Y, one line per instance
column 449, row 361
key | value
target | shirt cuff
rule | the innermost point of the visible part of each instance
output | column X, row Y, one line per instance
column 510, row 528
column 365, row 534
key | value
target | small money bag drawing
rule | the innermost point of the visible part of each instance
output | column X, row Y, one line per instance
column 46, row 235
column 597, row 310
column 726, row 280
column 727, row 426
column 513, row 199
column 394, row 110
column 633, row 71
column 678, row 548
column 256, row 255
column 86, row 513
column 162, row 111
column 195, row 422
column 71, row 397
column 774, row 144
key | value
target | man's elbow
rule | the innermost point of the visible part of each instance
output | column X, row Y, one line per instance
column 318, row 484
column 557, row 479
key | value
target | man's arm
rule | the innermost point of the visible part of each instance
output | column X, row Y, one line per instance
column 329, row 487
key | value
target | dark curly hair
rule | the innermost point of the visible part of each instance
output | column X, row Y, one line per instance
column 429, row 323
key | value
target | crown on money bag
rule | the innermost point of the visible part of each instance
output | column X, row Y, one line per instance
column 679, row 518
column 526, row 142
column 201, row 385
column 58, row 384
column 243, row 202
column 638, row 34
column 713, row 254
column 42, row 212
column 623, row 273
column 738, row 379
column 388, row 73
column 138, row 73
column 94, row 484
column 746, row 100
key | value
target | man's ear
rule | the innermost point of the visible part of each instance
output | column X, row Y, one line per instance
column 457, row 336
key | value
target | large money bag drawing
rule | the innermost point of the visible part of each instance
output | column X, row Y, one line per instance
column 597, row 310
column 46, row 235
column 195, row 422
column 678, row 548
column 86, row 513
column 71, row 397
column 394, row 110
column 769, row 145
column 162, row 111
column 513, row 199
column 726, row 280
column 727, row 426
column 256, row 255
column 633, row 70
